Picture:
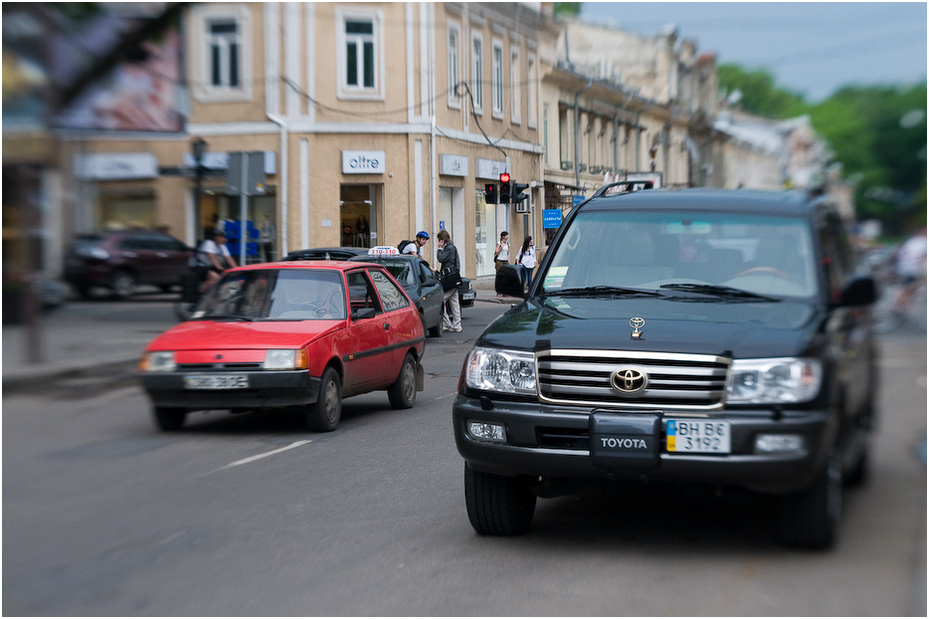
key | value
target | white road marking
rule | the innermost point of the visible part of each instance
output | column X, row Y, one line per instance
column 264, row 455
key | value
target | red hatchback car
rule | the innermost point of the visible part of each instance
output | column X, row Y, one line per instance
column 279, row 334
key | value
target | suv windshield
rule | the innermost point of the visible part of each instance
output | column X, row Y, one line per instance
column 276, row 294
column 765, row 255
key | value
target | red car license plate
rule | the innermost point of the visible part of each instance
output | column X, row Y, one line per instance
column 216, row 381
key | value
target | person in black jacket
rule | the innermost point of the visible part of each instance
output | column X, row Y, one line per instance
column 447, row 254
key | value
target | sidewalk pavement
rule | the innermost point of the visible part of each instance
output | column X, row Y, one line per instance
column 93, row 338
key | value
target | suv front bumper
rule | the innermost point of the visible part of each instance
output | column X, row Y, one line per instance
column 556, row 442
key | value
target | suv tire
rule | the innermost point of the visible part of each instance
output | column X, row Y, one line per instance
column 499, row 505
column 809, row 519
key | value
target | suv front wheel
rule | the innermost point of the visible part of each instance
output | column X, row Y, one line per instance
column 499, row 505
column 809, row 519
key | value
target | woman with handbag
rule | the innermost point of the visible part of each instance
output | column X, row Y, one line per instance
column 526, row 259
column 449, row 272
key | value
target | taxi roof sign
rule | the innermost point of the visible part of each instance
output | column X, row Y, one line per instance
column 383, row 250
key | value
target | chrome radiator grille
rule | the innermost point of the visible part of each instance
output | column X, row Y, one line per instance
column 585, row 378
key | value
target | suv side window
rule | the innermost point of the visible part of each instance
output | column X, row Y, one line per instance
column 837, row 260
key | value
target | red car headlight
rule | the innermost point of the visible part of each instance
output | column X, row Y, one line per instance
column 158, row 361
column 285, row 359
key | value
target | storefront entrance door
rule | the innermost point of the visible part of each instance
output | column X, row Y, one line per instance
column 358, row 215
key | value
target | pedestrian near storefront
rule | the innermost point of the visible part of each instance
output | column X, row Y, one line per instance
column 526, row 258
column 502, row 251
column 416, row 247
column 447, row 255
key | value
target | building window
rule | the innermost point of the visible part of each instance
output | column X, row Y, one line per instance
column 221, row 47
column 453, row 35
column 516, row 87
column 477, row 70
column 545, row 131
column 497, row 83
column 360, row 56
column 531, row 112
column 224, row 54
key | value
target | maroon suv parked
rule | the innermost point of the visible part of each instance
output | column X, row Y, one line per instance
column 121, row 260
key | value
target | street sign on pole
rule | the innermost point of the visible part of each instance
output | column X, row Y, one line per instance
column 245, row 176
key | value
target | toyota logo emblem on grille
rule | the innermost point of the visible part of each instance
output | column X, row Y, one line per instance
column 629, row 380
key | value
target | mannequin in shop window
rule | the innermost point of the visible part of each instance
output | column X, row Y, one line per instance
column 364, row 231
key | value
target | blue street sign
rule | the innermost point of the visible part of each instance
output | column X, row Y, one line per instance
column 551, row 218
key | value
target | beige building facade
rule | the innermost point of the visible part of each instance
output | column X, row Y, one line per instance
column 621, row 106
column 369, row 122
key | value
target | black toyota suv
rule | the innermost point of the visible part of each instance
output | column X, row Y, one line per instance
column 708, row 338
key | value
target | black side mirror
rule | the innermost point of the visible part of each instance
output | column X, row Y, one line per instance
column 510, row 281
column 361, row 314
column 859, row 291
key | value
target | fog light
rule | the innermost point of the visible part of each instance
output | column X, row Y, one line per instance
column 778, row 443
column 484, row 431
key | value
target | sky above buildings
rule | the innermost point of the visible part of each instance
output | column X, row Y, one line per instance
column 811, row 48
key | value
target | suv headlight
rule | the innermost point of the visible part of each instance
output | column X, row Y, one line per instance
column 493, row 369
column 773, row 381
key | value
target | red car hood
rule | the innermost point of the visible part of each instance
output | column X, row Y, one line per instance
column 242, row 335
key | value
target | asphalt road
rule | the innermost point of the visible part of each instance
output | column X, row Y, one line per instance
column 253, row 515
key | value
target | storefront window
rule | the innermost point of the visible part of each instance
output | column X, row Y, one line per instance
column 359, row 215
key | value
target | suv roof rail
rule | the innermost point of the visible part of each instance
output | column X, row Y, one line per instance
column 628, row 187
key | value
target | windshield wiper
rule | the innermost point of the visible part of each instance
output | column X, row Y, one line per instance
column 725, row 292
column 225, row 315
column 592, row 291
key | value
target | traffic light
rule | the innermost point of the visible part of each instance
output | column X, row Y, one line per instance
column 490, row 193
column 516, row 192
column 505, row 188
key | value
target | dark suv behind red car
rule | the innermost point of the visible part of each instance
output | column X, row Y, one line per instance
column 121, row 260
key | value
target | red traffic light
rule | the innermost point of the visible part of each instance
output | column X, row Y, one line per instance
column 505, row 177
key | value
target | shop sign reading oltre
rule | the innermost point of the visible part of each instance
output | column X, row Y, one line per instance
column 363, row 162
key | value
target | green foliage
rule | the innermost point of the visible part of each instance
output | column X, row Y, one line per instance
column 760, row 95
column 877, row 133
column 567, row 9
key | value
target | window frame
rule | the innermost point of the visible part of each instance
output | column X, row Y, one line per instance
column 515, row 86
column 344, row 90
column 453, row 64
column 531, row 98
column 203, row 18
column 497, row 71
column 477, row 70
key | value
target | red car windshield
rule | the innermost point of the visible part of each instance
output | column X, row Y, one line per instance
column 276, row 294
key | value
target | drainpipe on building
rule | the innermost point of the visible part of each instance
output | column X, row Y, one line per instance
column 695, row 165
column 435, row 188
column 577, row 127
column 619, row 108
column 280, row 122
column 666, row 145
